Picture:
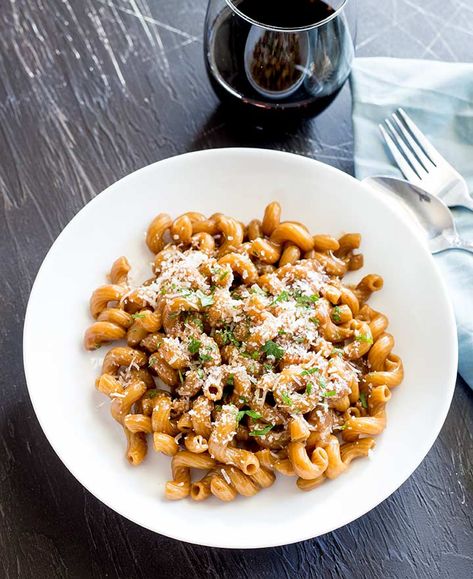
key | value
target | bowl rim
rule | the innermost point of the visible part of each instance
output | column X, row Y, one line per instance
column 245, row 543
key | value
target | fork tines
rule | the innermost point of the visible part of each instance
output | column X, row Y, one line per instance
column 411, row 149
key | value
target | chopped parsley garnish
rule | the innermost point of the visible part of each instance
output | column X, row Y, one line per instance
column 181, row 377
column 223, row 275
column 286, row 399
column 240, row 416
column 152, row 393
column 315, row 321
column 250, row 356
column 186, row 292
column 198, row 322
column 263, row 431
column 243, row 399
column 218, row 407
column 194, row 345
column 200, row 373
column 252, row 368
column 281, row 332
column 204, row 299
column 309, row 371
column 336, row 314
column 250, row 413
column 228, row 337
column 336, row 352
column 305, row 301
column 363, row 400
column 268, row 367
column 253, row 414
column 230, row 380
column 282, row 297
column 256, row 289
column 205, row 357
column 364, row 338
column 137, row 316
column 308, row 388
column 152, row 361
column 270, row 348
column 343, row 427
column 322, row 383
column 328, row 393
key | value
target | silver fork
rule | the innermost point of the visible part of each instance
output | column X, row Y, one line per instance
column 421, row 163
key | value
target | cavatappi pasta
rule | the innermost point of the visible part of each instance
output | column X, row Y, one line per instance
column 246, row 354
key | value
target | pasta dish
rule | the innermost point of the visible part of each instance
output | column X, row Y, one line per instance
column 246, row 355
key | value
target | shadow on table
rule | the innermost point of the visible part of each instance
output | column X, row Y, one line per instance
column 227, row 127
column 326, row 137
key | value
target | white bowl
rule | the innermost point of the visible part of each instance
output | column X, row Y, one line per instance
column 240, row 182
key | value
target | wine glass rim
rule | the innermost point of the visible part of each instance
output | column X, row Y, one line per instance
column 336, row 12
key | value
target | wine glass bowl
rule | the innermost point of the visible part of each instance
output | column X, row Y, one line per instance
column 276, row 63
column 268, row 58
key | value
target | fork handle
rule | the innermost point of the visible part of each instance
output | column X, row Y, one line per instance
column 458, row 195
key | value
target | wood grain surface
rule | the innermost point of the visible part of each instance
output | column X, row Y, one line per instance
column 91, row 90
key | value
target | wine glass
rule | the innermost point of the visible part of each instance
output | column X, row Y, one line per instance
column 268, row 57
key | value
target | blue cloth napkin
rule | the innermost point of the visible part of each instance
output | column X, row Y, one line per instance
column 439, row 98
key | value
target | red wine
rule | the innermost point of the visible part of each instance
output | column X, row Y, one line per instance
column 285, row 13
column 278, row 70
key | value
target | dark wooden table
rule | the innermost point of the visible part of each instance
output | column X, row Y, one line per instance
column 91, row 90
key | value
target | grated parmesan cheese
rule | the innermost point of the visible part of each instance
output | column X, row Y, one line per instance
column 228, row 480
